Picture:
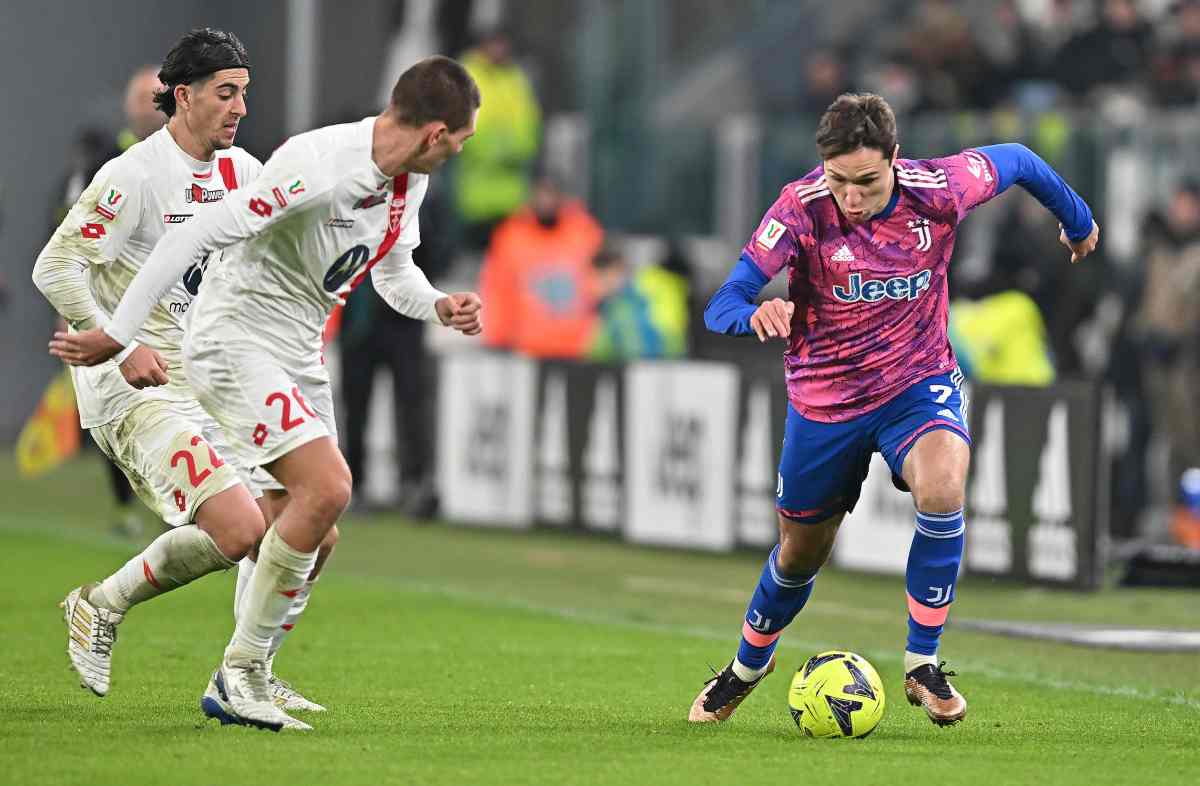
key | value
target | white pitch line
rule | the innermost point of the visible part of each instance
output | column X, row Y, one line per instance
column 807, row 645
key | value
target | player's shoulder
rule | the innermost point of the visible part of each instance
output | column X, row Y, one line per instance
column 329, row 143
column 802, row 196
column 922, row 173
column 808, row 188
column 801, row 201
column 324, row 155
column 133, row 168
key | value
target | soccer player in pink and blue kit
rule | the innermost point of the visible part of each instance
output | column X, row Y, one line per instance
column 866, row 239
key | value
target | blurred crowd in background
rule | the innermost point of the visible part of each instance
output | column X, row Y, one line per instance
column 616, row 265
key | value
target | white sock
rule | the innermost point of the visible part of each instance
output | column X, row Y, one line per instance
column 914, row 660
column 747, row 674
column 245, row 573
column 174, row 558
column 279, row 575
column 299, row 604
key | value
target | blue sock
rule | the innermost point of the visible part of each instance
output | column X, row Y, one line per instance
column 933, row 560
column 776, row 602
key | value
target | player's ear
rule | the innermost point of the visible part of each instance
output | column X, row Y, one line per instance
column 183, row 96
column 895, row 154
column 436, row 131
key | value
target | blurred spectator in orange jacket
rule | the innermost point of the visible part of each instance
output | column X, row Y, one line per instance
column 537, row 277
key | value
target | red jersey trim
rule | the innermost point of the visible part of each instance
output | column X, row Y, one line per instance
column 395, row 221
column 228, row 175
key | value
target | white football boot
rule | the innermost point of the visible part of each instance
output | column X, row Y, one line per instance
column 91, row 633
column 285, row 696
column 239, row 694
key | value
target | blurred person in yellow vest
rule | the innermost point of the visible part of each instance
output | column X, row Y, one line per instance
column 643, row 313
column 1001, row 340
column 493, row 172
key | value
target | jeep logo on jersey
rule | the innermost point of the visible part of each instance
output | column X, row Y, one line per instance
column 204, row 195
column 874, row 290
column 345, row 267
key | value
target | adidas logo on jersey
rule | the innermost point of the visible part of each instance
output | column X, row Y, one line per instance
column 844, row 254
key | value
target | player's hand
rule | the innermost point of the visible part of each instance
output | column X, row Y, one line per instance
column 461, row 311
column 89, row 348
column 144, row 368
column 1080, row 248
column 773, row 319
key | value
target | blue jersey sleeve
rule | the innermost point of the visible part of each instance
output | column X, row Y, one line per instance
column 730, row 309
column 1016, row 163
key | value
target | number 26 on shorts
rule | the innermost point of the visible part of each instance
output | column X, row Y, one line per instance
column 287, row 421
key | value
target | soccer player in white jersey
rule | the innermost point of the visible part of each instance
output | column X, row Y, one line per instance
column 330, row 207
column 173, row 453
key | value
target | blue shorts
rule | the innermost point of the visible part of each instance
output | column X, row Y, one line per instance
column 823, row 465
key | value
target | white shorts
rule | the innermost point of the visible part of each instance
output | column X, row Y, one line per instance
column 174, row 455
column 265, row 408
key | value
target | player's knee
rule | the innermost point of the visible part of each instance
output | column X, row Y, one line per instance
column 940, row 494
column 233, row 521
column 803, row 548
column 331, row 498
column 243, row 534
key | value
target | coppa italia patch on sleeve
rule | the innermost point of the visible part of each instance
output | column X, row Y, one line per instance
column 110, row 203
column 770, row 234
column 290, row 189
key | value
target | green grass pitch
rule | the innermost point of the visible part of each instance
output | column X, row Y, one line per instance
column 461, row 656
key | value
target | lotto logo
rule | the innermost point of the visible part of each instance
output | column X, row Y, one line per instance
column 261, row 208
column 180, row 501
column 92, row 231
column 260, row 434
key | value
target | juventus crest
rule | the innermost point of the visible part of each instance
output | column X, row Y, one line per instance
column 920, row 227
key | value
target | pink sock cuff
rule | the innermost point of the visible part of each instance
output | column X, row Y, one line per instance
column 758, row 639
column 925, row 615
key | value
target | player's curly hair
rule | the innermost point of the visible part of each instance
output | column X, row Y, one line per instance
column 437, row 88
column 856, row 120
column 196, row 56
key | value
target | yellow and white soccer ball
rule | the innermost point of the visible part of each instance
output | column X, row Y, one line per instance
column 836, row 694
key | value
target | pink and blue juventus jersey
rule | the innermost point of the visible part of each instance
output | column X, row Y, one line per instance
column 871, row 299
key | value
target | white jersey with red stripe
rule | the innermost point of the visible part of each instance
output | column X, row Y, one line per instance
column 135, row 199
column 319, row 218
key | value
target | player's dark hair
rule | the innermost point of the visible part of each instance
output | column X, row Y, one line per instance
column 437, row 88
column 856, row 120
column 196, row 56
